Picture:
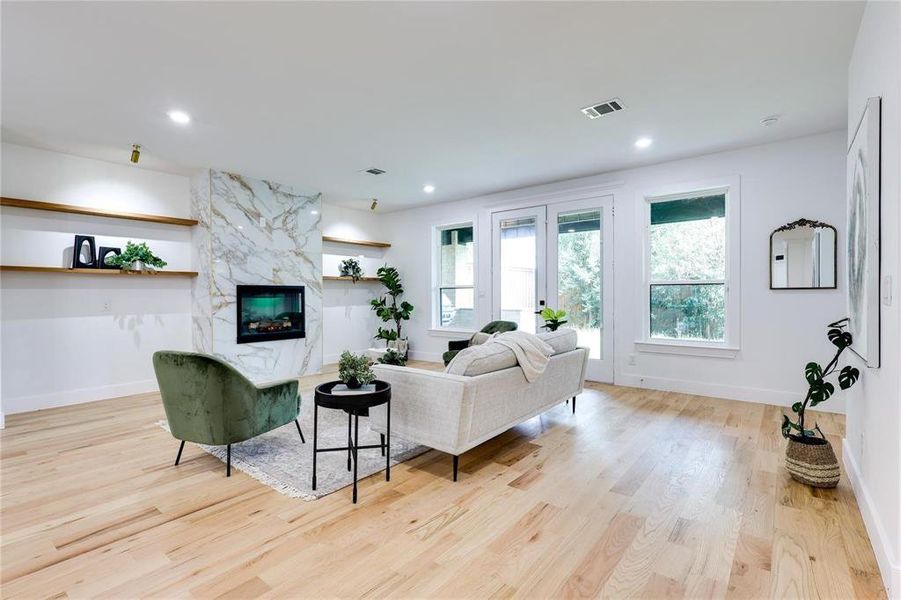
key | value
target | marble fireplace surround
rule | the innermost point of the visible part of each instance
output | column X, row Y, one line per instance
column 254, row 232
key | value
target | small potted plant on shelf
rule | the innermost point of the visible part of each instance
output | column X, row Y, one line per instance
column 136, row 257
column 553, row 319
column 351, row 268
column 355, row 370
column 808, row 458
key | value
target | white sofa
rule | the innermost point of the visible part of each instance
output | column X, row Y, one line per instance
column 480, row 396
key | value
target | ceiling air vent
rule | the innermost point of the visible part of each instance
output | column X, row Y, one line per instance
column 603, row 108
column 374, row 171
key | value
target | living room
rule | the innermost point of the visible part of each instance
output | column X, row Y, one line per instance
column 451, row 299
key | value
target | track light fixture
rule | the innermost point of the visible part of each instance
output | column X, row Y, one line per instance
column 375, row 202
column 135, row 153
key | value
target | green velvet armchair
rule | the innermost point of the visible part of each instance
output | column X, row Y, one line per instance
column 454, row 346
column 207, row 401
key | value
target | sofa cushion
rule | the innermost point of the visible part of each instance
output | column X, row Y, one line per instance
column 479, row 337
column 481, row 359
column 562, row 340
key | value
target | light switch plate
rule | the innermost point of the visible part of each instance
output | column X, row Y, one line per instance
column 887, row 290
column 262, row 221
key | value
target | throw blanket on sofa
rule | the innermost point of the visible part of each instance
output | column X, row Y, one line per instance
column 531, row 352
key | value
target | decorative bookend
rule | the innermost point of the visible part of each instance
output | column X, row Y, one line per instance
column 84, row 255
column 105, row 253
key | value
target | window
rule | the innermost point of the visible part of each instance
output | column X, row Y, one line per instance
column 455, row 302
column 687, row 268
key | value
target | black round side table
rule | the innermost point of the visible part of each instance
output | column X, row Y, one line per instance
column 355, row 404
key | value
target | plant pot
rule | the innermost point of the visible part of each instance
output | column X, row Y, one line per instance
column 353, row 383
column 137, row 265
column 400, row 345
column 811, row 460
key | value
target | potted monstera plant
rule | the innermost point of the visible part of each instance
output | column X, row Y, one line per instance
column 809, row 457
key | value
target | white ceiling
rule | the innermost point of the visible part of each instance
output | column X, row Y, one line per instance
column 471, row 97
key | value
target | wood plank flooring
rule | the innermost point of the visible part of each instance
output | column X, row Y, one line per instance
column 641, row 494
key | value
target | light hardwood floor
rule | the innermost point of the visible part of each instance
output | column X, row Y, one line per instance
column 639, row 494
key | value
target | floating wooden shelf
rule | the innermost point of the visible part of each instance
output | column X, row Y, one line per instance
column 337, row 240
column 96, row 212
column 67, row 271
column 340, row 278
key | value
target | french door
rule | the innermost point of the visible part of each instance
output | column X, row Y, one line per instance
column 559, row 256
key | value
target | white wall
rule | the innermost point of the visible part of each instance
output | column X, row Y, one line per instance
column 59, row 343
column 872, row 448
column 348, row 321
column 780, row 330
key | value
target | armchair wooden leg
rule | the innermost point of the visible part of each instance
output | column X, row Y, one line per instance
column 302, row 441
column 180, row 448
column 456, row 466
column 228, row 461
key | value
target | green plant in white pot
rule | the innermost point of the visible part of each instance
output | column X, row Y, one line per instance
column 136, row 257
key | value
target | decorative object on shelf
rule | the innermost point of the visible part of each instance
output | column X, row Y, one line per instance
column 802, row 256
column 808, row 458
column 387, row 308
column 350, row 267
column 355, row 370
column 105, row 253
column 136, row 257
column 553, row 319
column 393, row 357
column 84, row 253
column 863, row 164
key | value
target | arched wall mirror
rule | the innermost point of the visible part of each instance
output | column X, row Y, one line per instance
column 802, row 256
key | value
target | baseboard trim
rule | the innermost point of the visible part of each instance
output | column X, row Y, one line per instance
column 889, row 569
column 426, row 356
column 718, row 390
column 67, row 398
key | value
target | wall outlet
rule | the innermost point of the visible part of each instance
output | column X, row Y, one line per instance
column 262, row 221
column 107, row 306
column 887, row 290
column 632, row 360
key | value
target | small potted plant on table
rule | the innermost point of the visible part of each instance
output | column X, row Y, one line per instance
column 354, row 370
column 808, row 458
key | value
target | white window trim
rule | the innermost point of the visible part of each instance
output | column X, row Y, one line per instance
column 729, row 347
column 436, row 329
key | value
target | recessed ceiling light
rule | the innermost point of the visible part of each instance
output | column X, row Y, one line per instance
column 428, row 189
column 179, row 116
column 643, row 142
column 314, row 212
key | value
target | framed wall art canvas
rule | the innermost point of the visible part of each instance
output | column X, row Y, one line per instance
column 863, row 234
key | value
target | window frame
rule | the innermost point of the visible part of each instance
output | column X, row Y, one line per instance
column 731, row 344
column 436, row 286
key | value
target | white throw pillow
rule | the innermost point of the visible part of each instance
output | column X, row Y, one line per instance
column 562, row 340
column 481, row 359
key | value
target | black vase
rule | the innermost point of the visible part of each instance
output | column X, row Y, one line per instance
column 84, row 244
column 105, row 253
column 353, row 383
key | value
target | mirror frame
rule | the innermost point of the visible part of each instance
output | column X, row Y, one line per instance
column 807, row 223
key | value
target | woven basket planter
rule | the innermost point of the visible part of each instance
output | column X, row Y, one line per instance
column 812, row 462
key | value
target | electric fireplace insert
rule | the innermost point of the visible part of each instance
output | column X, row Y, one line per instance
column 270, row 312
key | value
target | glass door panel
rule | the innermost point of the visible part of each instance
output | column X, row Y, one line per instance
column 519, row 253
column 580, row 276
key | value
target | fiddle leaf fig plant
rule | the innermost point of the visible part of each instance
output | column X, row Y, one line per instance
column 819, row 389
column 553, row 319
column 136, row 253
column 387, row 307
